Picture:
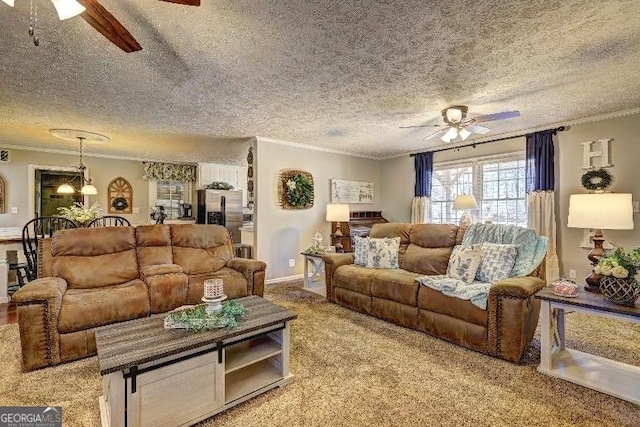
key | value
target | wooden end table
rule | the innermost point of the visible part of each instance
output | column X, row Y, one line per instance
column 313, row 268
column 607, row 376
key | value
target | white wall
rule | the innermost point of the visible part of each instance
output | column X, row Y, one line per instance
column 101, row 171
column 282, row 234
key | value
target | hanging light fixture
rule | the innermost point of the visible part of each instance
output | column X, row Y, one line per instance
column 85, row 185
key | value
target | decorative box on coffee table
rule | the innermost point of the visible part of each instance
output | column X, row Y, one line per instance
column 157, row 377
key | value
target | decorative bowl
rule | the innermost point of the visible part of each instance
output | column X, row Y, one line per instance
column 564, row 288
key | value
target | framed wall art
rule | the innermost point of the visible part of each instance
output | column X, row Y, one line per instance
column 120, row 194
column 295, row 189
column 344, row 191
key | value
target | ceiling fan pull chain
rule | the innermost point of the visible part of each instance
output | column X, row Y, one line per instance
column 33, row 22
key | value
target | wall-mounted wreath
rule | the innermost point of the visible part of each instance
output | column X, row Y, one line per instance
column 295, row 189
column 596, row 180
column 120, row 204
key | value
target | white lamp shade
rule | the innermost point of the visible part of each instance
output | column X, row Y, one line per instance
column 451, row 134
column 338, row 212
column 9, row 2
column 66, row 189
column 89, row 190
column 67, row 8
column 454, row 115
column 604, row 211
column 464, row 134
column 465, row 202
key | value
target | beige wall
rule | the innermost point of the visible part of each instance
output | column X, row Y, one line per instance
column 282, row 234
column 101, row 171
column 625, row 153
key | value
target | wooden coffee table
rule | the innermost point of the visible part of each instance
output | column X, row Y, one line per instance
column 595, row 372
column 158, row 377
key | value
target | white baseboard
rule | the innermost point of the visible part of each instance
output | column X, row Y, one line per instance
column 283, row 279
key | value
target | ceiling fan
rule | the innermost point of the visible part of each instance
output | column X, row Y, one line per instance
column 102, row 20
column 457, row 124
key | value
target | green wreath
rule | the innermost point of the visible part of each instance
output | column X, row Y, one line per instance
column 120, row 204
column 596, row 179
column 299, row 191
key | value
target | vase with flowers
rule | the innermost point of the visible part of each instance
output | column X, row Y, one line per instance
column 79, row 214
column 620, row 271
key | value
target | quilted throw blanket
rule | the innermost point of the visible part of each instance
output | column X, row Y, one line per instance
column 476, row 292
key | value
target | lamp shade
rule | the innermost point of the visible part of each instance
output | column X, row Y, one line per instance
column 9, row 2
column 465, row 202
column 604, row 211
column 450, row 135
column 338, row 212
column 66, row 189
column 89, row 190
column 68, row 8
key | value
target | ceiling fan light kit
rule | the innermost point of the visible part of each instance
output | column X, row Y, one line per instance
column 9, row 2
column 68, row 8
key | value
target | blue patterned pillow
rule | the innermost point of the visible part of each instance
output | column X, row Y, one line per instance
column 383, row 253
column 497, row 261
column 464, row 263
column 360, row 250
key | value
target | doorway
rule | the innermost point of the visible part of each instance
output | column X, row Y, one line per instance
column 47, row 198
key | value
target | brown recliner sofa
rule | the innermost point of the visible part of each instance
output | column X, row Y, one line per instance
column 504, row 329
column 97, row 276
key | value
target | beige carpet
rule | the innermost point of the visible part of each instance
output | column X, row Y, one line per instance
column 354, row 370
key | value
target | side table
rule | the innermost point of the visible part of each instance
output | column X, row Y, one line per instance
column 588, row 370
column 313, row 269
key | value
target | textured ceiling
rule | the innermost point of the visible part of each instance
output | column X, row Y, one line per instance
column 338, row 75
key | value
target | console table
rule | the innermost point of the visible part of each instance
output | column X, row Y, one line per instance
column 588, row 370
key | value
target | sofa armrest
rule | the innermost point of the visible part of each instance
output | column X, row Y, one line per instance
column 512, row 316
column 253, row 270
column 39, row 305
column 331, row 264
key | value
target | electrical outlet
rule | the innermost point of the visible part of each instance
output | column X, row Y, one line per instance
column 636, row 207
column 14, row 209
column 136, row 210
column 292, row 262
column 572, row 274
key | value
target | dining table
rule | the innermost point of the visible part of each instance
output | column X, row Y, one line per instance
column 10, row 240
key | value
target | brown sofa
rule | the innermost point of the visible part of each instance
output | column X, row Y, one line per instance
column 96, row 276
column 504, row 330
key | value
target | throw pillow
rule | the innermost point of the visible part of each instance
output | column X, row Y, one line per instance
column 383, row 252
column 464, row 263
column 497, row 261
column 360, row 250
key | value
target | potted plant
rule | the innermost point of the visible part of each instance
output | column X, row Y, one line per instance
column 619, row 269
column 79, row 214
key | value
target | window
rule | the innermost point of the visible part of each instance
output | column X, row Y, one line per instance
column 497, row 182
column 169, row 194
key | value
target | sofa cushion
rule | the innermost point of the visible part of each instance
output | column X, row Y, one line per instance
column 360, row 250
column 426, row 260
column 432, row 300
column 88, row 308
column 395, row 285
column 153, row 245
column 235, row 284
column 497, row 261
column 464, row 263
column 383, row 252
column 200, row 248
column 391, row 229
column 354, row 277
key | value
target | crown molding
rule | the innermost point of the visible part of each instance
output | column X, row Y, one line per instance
column 315, row 148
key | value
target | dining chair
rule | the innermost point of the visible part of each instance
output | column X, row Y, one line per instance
column 109, row 221
column 35, row 230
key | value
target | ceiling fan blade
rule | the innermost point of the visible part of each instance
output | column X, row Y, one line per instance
column 497, row 116
column 477, row 129
column 184, row 2
column 434, row 134
column 107, row 25
column 418, row 126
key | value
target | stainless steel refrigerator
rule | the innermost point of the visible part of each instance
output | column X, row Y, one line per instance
column 222, row 207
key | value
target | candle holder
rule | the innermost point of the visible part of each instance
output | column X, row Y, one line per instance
column 214, row 305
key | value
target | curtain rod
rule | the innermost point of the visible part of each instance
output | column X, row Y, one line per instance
column 473, row 144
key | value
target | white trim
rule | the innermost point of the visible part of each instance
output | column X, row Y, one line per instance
column 317, row 148
column 283, row 279
column 488, row 158
column 31, row 184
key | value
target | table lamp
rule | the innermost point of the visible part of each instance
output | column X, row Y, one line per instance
column 465, row 202
column 338, row 212
column 600, row 211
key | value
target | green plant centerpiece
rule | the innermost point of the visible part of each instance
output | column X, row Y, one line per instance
column 197, row 319
column 619, row 269
column 219, row 185
column 79, row 214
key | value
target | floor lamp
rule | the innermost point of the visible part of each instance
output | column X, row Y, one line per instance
column 599, row 211
column 466, row 203
column 338, row 212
